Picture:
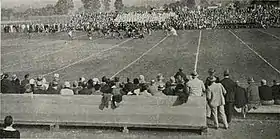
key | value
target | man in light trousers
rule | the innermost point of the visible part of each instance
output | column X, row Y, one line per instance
column 215, row 96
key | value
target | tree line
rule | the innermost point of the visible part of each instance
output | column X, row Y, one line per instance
column 61, row 7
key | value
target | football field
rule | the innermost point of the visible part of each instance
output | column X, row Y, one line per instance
column 245, row 52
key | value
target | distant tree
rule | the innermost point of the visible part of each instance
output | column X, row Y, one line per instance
column 7, row 13
column 106, row 4
column 118, row 5
column 64, row 6
column 49, row 10
column 91, row 5
column 188, row 3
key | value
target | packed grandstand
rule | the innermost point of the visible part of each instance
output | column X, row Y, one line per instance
column 257, row 16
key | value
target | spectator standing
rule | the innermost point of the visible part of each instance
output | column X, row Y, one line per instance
column 128, row 87
column 76, row 88
column 215, row 96
column 8, row 131
column 169, row 89
column 253, row 95
column 106, row 94
column 181, row 93
column 97, row 87
column 85, row 90
column 241, row 99
column 66, row 90
column 182, row 74
column 6, row 85
column 195, row 86
column 136, row 86
column 229, row 85
column 276, row 92
column 211, row 73
column 265, row 93
column 16, row 84
column 24, row 83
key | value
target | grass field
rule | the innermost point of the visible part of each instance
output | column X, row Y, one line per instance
column 245, row 52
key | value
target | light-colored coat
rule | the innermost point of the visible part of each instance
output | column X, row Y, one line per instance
column 66, row 92
column 215, row 94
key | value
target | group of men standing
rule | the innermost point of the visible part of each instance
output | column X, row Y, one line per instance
column 223, row 96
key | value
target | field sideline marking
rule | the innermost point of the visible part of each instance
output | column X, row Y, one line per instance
column 139, row 57
column 37, row 47
column 255, row 52
column 269, row 34
column 81, row 60
column 197, row 51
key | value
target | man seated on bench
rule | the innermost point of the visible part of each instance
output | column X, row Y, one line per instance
column 276, row 92
column 253, row 95
column 265, row 93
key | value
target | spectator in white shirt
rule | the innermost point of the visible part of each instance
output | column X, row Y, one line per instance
column 195, row 86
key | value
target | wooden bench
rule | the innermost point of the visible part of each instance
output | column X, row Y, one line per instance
column 271, row 109
column 264, row 112
column 135, row 111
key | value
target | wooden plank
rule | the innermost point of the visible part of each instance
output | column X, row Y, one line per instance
column 275, row 109
column 95, row 100
column 135, row 111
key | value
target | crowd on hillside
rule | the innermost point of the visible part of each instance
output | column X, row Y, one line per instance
column 259, row 16
column 221, row 17
column 219, row 93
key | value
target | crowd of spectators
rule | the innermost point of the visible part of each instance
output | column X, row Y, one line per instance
column 220, row 17
column 258, row 16
column 223, row 95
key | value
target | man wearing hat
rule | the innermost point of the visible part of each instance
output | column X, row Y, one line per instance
column 229, row 85
column 15, row 84
column 181, row 73
column 211, row 73
column 276, row 92
column 195, row 86
column 54, row 89
column 6, row 84
column 24, row 83
column 265, row 93
column 66, row 90
column 252, row 94
column 215, row 96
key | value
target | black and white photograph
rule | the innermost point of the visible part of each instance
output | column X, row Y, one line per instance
column 140, row 69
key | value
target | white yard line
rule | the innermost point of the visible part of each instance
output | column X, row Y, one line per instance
column 138, row 57
column 197, row 51
column 86, row 58
column 255, row 52
column 269, row 34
